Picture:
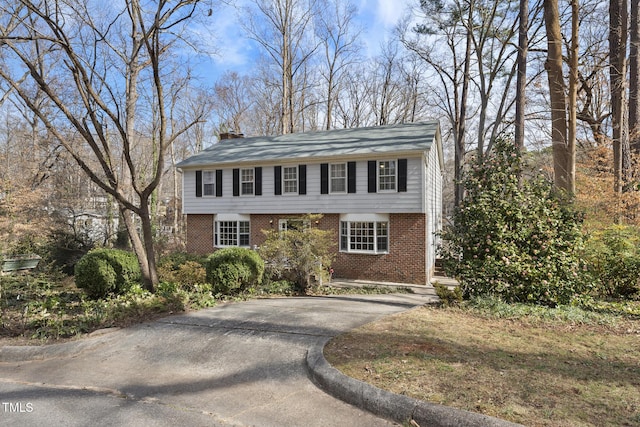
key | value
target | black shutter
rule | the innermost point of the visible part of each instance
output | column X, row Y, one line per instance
column 351, row 177
column 236, row 182
column 219, row 183
column 324, row 178
column 277, row 180
column 302, row 179
column 402, row 175
column 198, row 183
column 373, row 184
column 258, row 181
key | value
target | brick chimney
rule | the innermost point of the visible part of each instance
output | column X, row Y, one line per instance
column 230, row 135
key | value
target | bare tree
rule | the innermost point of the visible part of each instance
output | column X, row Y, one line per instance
column 339, row 40
column 233, row 101
column 282, row 28
column 618, row 32
column 634, row 78
column 93, row 63
column 562, row 157
column 445, row 36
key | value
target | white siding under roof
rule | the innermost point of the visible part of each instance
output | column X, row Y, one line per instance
column 411, row 201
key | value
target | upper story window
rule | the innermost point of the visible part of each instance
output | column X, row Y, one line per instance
column 338, row 175
column 208, row 183
column 290, row 180
column 387, row 175
column 246, row 181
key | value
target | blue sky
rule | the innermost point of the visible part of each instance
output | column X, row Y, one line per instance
column 234, row 52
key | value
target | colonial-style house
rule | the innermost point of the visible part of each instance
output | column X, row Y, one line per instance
column 379, row 190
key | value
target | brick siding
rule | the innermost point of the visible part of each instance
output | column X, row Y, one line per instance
column 200, row 234
column 405, row 262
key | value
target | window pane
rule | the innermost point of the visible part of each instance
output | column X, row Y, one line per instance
column 383, row 236
column 247, row 181
column 344, row 236
column 387, row 175
column 339, row 178
column 244, row 234
column 290, row 179
column 228, row 233
column 208, row 186
column 362, row 236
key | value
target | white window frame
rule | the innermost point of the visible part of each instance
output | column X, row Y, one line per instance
column 358, row 230
column 247, row 179
column 384, row 166
column 289, row 180
column 208, row 179
column 284, row 224
column 241, row 226
column 337, row 179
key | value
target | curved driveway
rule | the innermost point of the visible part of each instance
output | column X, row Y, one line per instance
column 237, row 364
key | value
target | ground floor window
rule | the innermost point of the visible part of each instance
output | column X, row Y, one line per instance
column 231, row 233
column 364, row 236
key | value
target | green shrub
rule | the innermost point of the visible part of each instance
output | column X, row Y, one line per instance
column 512, row 237
column 302, row 255
column 102, row 272
column 613, row 257
column 186, row 270
column 66, row 248
column 448, row 297
column 176, row 259
column 232, row 270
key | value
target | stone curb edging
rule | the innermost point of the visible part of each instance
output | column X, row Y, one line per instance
column 389, row 405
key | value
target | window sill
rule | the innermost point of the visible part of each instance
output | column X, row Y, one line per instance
column 365, row 252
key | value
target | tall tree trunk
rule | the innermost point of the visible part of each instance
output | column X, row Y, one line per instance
column 572, row 101
column 634, row 79
column 617, row 72
column 521, row 83
column 553, row 65
column 462, row 117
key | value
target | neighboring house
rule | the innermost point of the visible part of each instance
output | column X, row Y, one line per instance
column 379, row 190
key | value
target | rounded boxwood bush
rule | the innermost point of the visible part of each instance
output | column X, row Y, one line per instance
column 231, row 270
column 107, row 271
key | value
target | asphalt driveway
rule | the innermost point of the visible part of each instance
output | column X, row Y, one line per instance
column 237, row 364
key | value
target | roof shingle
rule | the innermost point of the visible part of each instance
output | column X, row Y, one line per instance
column 343, row 143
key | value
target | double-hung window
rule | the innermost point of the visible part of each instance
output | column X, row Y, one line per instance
column 387, row 175
column 367, row 236
column 246, row 181
column 290, row 179
column 338, row 176
column 231, row 233
column 208, row 183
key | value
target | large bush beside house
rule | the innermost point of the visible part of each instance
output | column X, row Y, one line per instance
column 302, row 255
column 102, row 272
column 512, row 237
column 231, row 270
column 613, row 255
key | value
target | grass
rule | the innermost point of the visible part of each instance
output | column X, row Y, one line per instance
column 548, row 367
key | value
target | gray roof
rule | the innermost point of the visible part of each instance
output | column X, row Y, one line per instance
column 343, row 143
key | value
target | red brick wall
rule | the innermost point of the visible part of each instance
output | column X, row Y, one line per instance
column 200, row 234
column 405, row 262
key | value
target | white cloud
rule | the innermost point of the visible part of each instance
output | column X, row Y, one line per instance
column 389, row 12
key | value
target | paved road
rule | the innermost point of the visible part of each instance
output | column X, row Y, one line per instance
column 237, row 364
